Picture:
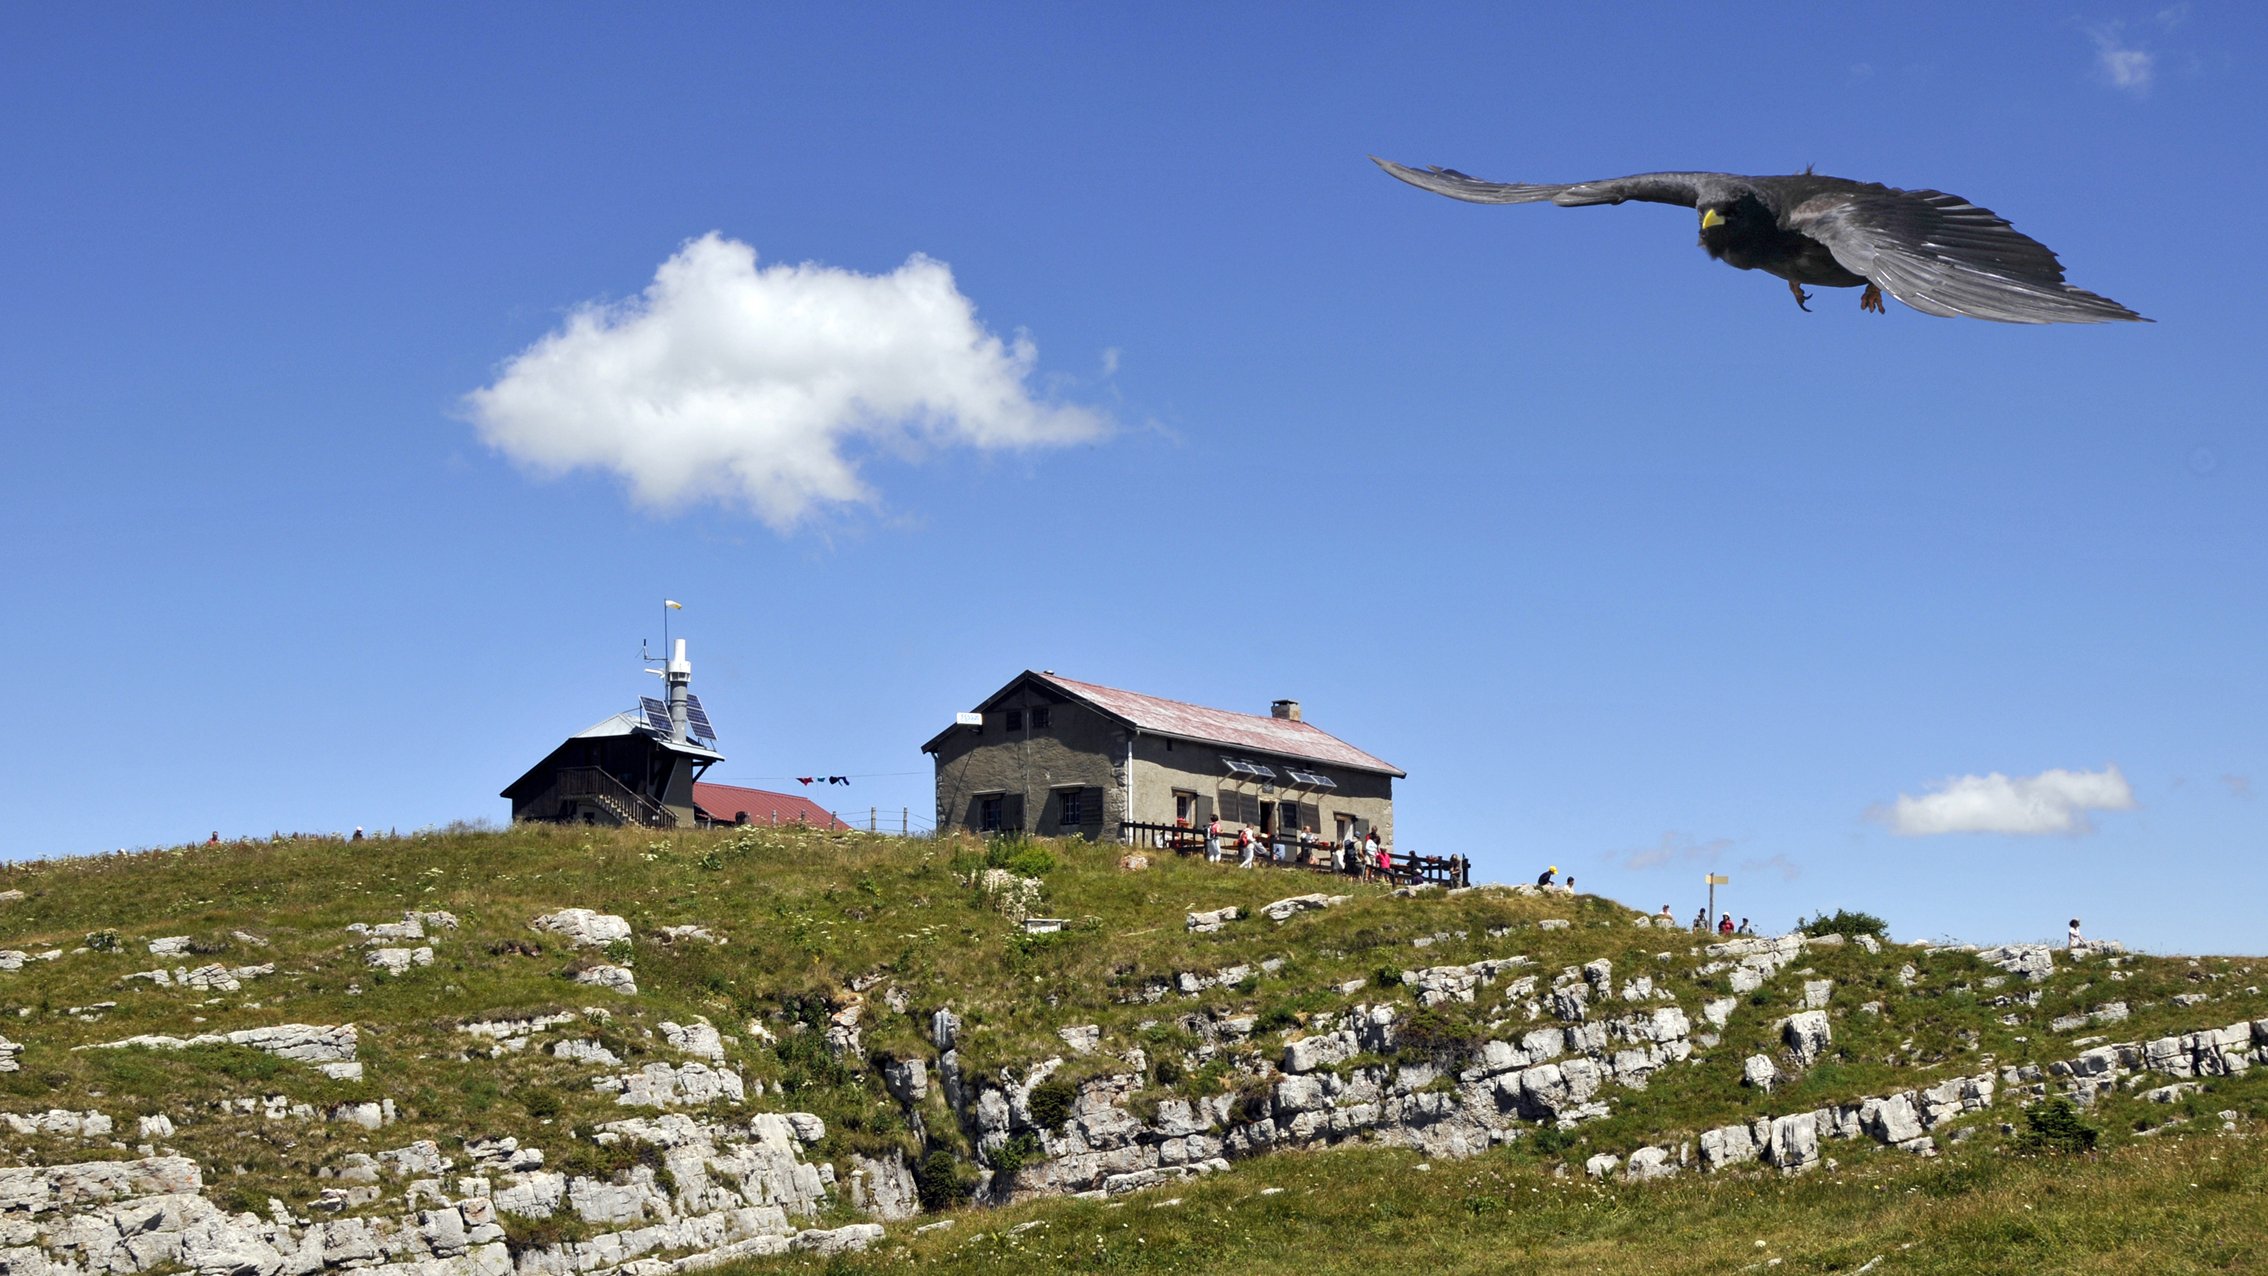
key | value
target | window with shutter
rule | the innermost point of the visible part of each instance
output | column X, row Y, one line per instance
column 1310, row 816
column 1204, row 810
column 985, row 812
column 1067, row 807
column 1012, row 812
column 1090, row 811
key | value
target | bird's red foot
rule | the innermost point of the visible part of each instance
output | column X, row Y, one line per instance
column 1871, row 299
column 1800, row 296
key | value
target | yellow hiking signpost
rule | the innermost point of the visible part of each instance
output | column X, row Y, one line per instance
column 1714, row 880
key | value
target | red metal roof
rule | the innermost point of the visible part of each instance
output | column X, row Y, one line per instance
column 725, row 802
column 1261, row 733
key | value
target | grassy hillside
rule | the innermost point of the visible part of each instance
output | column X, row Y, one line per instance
column 2171, row 1205
column 803, row 926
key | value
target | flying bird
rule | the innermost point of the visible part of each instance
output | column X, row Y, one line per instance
column 1936, row 252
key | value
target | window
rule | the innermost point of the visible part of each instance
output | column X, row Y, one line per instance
column 988, row 813
column 1287, row 817
column 1068, row 804
column 1184, row 807
column 1015, row 719
column 1039, row 717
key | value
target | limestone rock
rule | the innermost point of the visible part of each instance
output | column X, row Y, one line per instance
column 1283, row 909
column 1759, row 1071
column 397, row 961
column 1807, row 1036
column 699, row 1038
column 2035, row 962
column 584, row 928
column 612, row 978
column 1204, row 923
column 658, row 1085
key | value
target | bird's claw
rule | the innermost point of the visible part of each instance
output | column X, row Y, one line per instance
column 1871, row 299
column 1800, row 296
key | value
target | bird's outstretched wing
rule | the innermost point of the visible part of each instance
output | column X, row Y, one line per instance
column 1651, row 188
column 1943, row 255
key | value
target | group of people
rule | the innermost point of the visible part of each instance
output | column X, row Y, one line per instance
column 1701, row 922
column 1365, row 856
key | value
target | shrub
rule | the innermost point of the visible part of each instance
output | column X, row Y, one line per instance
column 1168, row 1070
column 1051, row 1101
column 1551, row 1140
column 1020, row 856
column 2053, row 1125
column 1432, row 1035
column 942, row 1181
column 1015, row 1154
column 540, row 1103
column 1846, row 923
column 103, row 941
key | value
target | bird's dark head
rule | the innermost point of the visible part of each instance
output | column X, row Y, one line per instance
column 1731, row 224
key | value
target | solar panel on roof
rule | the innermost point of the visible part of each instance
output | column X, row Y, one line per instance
column 1265, row 773
column 657, row 714
column 1321, row 781
column 1237, row 766
column 697, row 718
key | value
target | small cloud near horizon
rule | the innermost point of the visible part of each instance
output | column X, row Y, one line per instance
column 2054, row 801
column 763, row 388
column 2238, row 785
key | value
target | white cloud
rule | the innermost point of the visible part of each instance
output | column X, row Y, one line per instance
column 2126, row 66
column 1674, row 848
column 764, row 388
column 1785, row 869
column 2051, row 802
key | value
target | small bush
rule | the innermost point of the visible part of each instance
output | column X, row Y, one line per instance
column 1846, row 923
column 103, row 941
column 1168, row 1070
column 2053, row 1125
column 1020, row 856
column 540, row 1103
column 1552, row 1140
column 1051, row 1102
column 1015, row 1154
column 942, row 1181
column 1432, row 1035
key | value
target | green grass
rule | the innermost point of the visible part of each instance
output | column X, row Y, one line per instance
column 804, row 913
column 2174, row 1205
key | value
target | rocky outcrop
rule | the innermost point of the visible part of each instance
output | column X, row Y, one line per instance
column 329, row 1048
column 584, row 928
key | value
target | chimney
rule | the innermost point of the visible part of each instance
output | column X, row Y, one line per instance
column 1288, row 710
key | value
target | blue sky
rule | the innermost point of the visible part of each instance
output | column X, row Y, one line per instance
column 331, row 494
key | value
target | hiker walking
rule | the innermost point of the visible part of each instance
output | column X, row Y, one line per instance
column 1213, row 839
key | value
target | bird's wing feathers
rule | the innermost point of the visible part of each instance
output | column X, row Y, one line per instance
column 1943, row 255
column 1652, row 188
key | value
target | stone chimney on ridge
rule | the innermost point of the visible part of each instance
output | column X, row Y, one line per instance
column 1288, row 710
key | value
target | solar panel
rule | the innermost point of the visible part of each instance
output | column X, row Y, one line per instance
column 697, row 718
column 1237, row 766
column 657, row 714
column 1264, row 773
column 1321, row 781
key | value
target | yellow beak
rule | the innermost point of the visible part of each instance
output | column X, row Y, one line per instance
column 1712, row 218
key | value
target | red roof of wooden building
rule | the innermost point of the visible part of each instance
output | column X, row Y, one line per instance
column 727, row 803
